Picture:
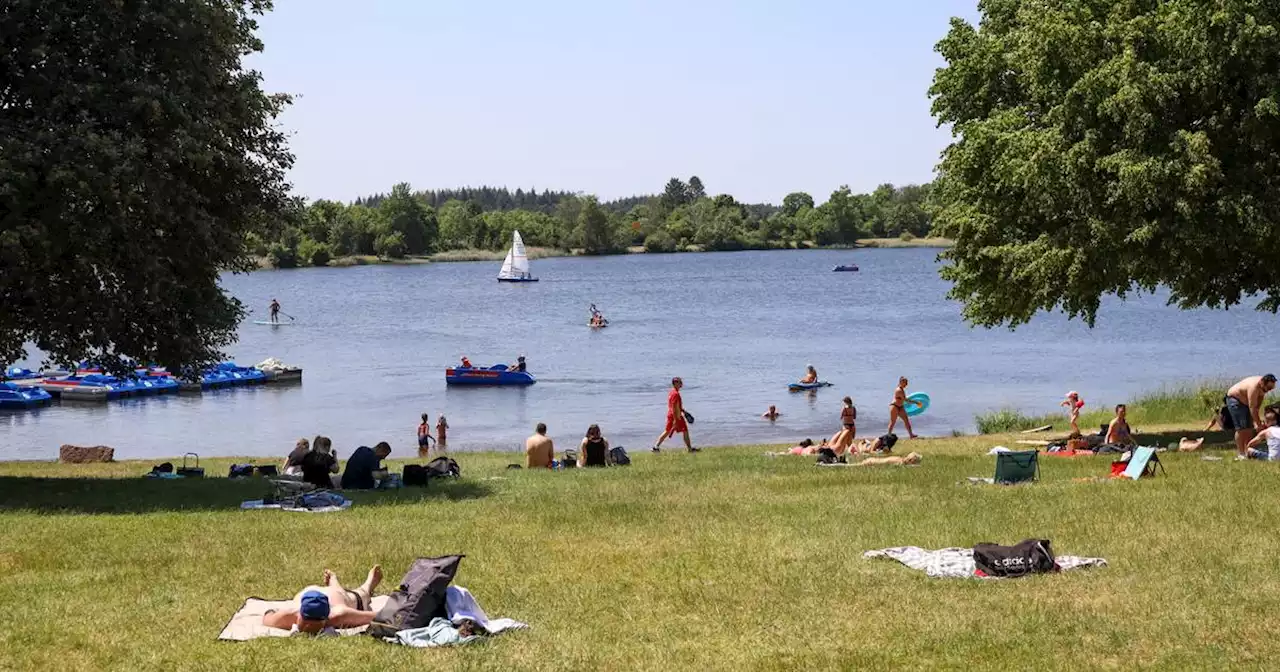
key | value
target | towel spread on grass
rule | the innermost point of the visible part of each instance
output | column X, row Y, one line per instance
column 314, row 502
column 246, row 624
column 460, row 605
column 957, row 563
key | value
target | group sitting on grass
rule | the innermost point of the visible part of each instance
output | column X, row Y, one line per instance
column 593, row 450
column 317, row 464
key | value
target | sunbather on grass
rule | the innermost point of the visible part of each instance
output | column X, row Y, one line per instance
column 316, row 608
column 911, row 458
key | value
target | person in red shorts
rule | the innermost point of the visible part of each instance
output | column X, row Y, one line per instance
column 675, row 418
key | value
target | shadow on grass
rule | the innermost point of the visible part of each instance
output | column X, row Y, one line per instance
column 145, row 495
column 1164, row 439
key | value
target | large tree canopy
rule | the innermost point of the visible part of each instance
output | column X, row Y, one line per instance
column 1110, row 146
column 136, row 153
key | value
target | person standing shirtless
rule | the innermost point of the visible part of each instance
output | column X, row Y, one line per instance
column 316, row 608
column 1244, row 405
column 898, row 409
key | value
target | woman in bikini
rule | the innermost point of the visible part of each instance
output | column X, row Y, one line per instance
column 898, row 409
column 848, row 428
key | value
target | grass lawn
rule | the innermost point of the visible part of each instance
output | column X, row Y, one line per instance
column 721, row 560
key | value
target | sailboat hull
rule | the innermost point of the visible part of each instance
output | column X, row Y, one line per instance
column 517, row 279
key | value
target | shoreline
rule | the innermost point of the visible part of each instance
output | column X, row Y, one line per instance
column 535, row 253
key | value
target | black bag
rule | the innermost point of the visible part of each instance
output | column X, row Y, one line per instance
column 240, row 471
column 570, row 459
column 618, row 456
column 826, row 456
column 1029, row 556
column 443, row 467
column 415, row 475
column 266, row 470
column 191, row 472
column 419, row 598
column 163, row 468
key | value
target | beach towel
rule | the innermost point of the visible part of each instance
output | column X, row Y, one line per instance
column 461, row 606
column 246, row 624
column 315, row 502
column 957, row 563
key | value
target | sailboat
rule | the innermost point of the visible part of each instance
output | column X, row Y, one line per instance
column 515, row 268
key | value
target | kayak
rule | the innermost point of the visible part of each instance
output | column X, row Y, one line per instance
column 13, row 396
column 916, row 404
column 495, row 375
column 800, row 387
column 845, row 269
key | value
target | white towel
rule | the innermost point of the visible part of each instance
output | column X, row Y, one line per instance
column 461, row 605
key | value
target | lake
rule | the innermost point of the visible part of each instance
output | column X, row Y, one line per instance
column 738, row 327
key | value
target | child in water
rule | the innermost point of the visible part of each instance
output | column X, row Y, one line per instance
column 424, row 436
column 442, row 427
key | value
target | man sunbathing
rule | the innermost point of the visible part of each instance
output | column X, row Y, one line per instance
column 317, row 608
column 911, row 458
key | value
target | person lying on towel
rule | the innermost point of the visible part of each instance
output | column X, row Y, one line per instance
column 911, row 458
column 322, row 609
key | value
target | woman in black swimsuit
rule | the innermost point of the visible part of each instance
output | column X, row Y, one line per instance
column 594, row 451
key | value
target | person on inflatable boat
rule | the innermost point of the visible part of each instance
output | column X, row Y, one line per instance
column 810, row 377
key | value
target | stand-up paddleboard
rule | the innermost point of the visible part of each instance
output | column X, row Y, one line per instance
column 800, row 387
column 273, row 324
column 916, row 404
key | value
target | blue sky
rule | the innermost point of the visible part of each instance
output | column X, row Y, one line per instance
column 610, row 97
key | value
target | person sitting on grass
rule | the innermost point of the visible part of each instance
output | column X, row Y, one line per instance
column 361, row 466
column 911, row 458
column 293, row 463
column 319, row 465
column 322, row 609
column 1270, row 436
column 594, row 449
column 1118, row 431
column 539, row 449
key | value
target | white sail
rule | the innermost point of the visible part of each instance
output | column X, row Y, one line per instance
column 516, row 265
column 519, row 260
column 506, row 267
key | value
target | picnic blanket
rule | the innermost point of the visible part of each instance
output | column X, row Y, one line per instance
column 246, row 624
column 460, row 605
column 311, row 502
column 957, row 563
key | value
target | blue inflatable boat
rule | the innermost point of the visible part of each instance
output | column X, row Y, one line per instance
column 15, row 373
column 494, row 375
column 801, row 387
column 916, row 404
column 224, row 375
column 14, row 397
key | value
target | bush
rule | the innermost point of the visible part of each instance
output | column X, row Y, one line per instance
column 659, row 241
column 390, row 246
column 906, row 236
column 282, row 256
column 314, row 253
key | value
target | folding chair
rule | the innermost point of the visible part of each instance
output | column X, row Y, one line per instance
column 1143, row 462
column 1017, row 467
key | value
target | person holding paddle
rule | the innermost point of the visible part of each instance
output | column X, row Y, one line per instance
column 676, row 418
column 275, row 311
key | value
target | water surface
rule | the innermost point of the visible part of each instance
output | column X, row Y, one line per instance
column 375, row 341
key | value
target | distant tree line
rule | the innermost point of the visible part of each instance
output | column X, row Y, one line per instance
column 683, row 217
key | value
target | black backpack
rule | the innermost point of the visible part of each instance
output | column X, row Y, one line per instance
column 827, row 456
column 240, row 471
column 1029, row 556
column 618, row 455
column 419, row 598
column 443, row 467
column 415, row 475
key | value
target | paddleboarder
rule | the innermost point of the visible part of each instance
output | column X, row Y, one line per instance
column 275, row 311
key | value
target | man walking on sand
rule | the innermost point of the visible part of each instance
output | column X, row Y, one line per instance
column 675, row 418
column 1244, row 405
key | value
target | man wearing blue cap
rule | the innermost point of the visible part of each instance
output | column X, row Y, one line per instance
column 321, row 609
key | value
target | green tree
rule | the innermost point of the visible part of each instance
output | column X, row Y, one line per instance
column 136, row 155
column 845, row 212
column 795, row 202
column 593, row 226
column 674, row 195
column 1110, row 147
column 414, row 220
column 695, row 190
column 462, row 225
column 390, row 245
